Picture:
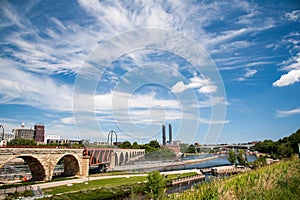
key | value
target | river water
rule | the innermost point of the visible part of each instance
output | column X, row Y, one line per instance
column 220, row 161
column 149, row 165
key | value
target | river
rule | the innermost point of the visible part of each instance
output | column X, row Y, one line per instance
column 169, row 165
column 220, row 161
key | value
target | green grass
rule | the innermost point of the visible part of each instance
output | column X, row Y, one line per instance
column 277, row 181
column 112, row 182
column 111, row 173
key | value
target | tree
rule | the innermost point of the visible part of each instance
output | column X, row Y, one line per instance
column 135, row 145
column 155, row 186
column 267, row 146
column 191, row 149
column 148, row 148
column 241, row 157
column 232, row 157
column 125, row 145
column 259, row 162
column 154, row 144
column 285, row 150
column 22, row 142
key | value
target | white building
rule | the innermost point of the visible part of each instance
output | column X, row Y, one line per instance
column 51, row 139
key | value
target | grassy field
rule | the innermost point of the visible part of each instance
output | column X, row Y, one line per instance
column 112, row 182
column 102, row 189
column 277, row 181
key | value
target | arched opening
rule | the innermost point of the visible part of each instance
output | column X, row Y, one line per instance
column 126, row 157
column 36, row 168
column 100, row 156
column 121, row 161
column 68, row 165
column 22, row 168
column 116, row 160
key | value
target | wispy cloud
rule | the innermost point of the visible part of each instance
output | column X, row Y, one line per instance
column 202, row 84
column 249, row 73
column 293, row 16
column 24, row 88
column 287, row 113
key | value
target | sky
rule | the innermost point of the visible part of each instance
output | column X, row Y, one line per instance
column 217, row 71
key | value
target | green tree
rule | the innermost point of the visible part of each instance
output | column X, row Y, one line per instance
column 154, row 144
column 148, row 148
column 135, row 145
column 155, row 186
column 22, row 142
column 267, row 146
column 259, row 162
column 191, row 149
column 285, row 150
column 232, row 157
column 241, row 157
column 125, row 145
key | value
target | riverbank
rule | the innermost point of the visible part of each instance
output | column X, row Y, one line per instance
column 160, row 166
column 279, row 180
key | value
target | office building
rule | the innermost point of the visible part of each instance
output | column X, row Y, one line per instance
column 39, row 133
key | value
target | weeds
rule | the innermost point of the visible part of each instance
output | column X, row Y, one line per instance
column 277, row 181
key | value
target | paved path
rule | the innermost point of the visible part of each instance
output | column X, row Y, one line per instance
column 82, row 180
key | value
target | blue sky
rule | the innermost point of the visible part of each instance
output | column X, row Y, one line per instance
column 219, row 72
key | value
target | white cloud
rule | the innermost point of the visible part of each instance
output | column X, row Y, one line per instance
column 249, row 73
column 67, row 120
column 202, row 84
column 179, row 87
column 287, row 113
column 293, row 16
column 292, row 65
column 25, row 88
column 207, row 89
column 290, row 78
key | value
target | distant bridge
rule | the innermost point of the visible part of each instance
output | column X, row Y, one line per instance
column 42, row 161
column 112, row 156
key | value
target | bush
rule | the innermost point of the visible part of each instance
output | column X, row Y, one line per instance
column 155, row 186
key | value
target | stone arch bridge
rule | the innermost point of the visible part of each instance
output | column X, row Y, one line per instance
column 112, row 156
column 42, row 161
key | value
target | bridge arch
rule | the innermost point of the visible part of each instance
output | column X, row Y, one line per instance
column 121, row 159
column 71, row 165
column 38, row 172
column 126, row 158
column 116, row 159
